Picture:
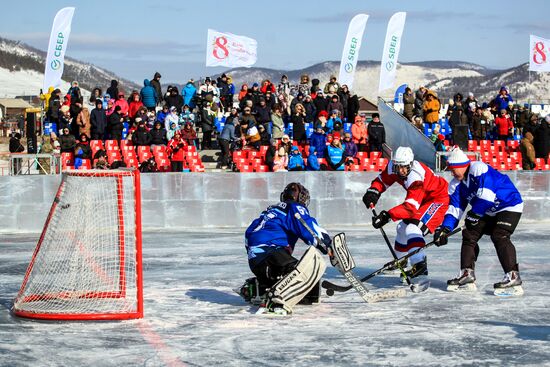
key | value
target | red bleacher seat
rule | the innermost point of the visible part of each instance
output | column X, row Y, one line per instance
column 485, row 145
column 245, row 168
column 131, row 161
column 262, row 168
column 381, row 163
column 253, row 154
column 86, row 164
column 111, row 145
column 500, row 145
column 375, row 155
column 472, row 144
column 190, row 148
column 113, row 155
column 158, row 148
column 263, row 150
column 67, row 159
column 126, row 143
column 513, row 145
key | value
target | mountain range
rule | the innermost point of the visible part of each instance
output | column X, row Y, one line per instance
column 22, row 66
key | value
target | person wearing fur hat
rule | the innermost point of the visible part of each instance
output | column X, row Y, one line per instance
column 496, row 208
column 331, row 86
column 431, row 108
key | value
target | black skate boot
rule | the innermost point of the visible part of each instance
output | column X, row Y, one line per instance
column 418, row 269
column 250, row 291
column 394, row 269
column 465, row 281
column 510, row 285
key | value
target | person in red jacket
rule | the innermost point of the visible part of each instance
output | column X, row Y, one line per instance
column 135, row 105
column 176, row 151
column 504, row 125
column 422, row 211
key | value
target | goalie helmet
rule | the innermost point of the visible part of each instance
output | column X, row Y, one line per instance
column 296, row 192
column 403, row 157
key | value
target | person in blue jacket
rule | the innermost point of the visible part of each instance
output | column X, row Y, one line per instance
column 334, row 154
column 270, row 240
column 295, row 160
column 148, row 95
column 312, row 161
column 188, row 92
column 496, row 208
column 319, row 140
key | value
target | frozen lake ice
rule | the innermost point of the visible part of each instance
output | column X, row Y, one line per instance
column 193, row 318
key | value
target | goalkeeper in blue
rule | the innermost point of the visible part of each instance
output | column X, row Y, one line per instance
column 281, row 280
column 496, row 208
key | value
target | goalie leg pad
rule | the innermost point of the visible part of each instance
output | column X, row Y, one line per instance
column 294, row 286
column 341, row 256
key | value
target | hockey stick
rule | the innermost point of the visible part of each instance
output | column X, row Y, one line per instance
column 415, row 287
column 348, row 274
column 332, row 287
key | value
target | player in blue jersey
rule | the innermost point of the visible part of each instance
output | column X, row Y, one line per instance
column 496, row 208
column 270, row 241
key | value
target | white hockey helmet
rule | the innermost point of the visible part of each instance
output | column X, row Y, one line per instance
column 403, row 157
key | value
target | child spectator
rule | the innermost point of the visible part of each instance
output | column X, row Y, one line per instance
column 295, row 161
column 350, row 149
column 504, row 125
column 158, row 135
column 318, row 140
column 280, row 162
column 312, row 162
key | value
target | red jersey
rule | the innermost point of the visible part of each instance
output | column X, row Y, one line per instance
column 423, row 187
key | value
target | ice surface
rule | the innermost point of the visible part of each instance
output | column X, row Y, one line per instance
column 192, row 316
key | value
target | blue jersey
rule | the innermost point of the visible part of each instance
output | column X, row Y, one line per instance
column 278, row 228
column 486, row 190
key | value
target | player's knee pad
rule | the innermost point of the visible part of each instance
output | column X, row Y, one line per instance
column 470, row 237
column 500, row 236
column 295, row 285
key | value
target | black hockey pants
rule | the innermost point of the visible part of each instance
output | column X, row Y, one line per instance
column 500, row 228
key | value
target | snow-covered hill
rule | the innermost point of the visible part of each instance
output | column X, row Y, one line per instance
column 22, row 71
column 367, row 74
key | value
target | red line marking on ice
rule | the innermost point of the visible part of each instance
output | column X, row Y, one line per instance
column 155, row 340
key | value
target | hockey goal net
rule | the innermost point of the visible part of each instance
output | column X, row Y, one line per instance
column 87, row 263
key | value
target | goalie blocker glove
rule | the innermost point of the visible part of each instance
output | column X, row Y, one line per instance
column 371, row 197
column 381, row 219
column 441, row 236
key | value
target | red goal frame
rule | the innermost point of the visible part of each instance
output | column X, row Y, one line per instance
column 121, row 292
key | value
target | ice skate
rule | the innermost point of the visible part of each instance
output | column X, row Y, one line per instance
column 418, row 270
column 272, row 309
column 510, row 285
column 250, row 292
column 394, row 269
column 465, row 281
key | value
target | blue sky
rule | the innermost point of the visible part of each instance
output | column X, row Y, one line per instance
column 136, row 38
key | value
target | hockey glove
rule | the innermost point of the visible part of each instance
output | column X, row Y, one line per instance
column 472, row 220
column 441, row 236
column 324, row 245
column 381, row 219
column 371, row 198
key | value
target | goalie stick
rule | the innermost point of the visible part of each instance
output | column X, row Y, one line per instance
column 332, row 287
column 342, row 260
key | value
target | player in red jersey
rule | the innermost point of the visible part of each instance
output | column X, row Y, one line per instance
column 422, row 211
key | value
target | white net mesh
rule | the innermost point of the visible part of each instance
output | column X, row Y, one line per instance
column 86, row 261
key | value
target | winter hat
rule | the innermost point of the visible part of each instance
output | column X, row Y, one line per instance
column 441, row 137
column 64, row 109
column 458, row 159
column 375, row 115
column 336, row 135
column 323, row 113
column 294, row 148
column 334, row 112
column 311, row 149
column 255, row 85
column 286, row 137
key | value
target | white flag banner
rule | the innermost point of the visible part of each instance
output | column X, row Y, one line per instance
column 226, row 49
column 539, row 56
column 59, row 38
column 392, row 44
column 350, row 54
